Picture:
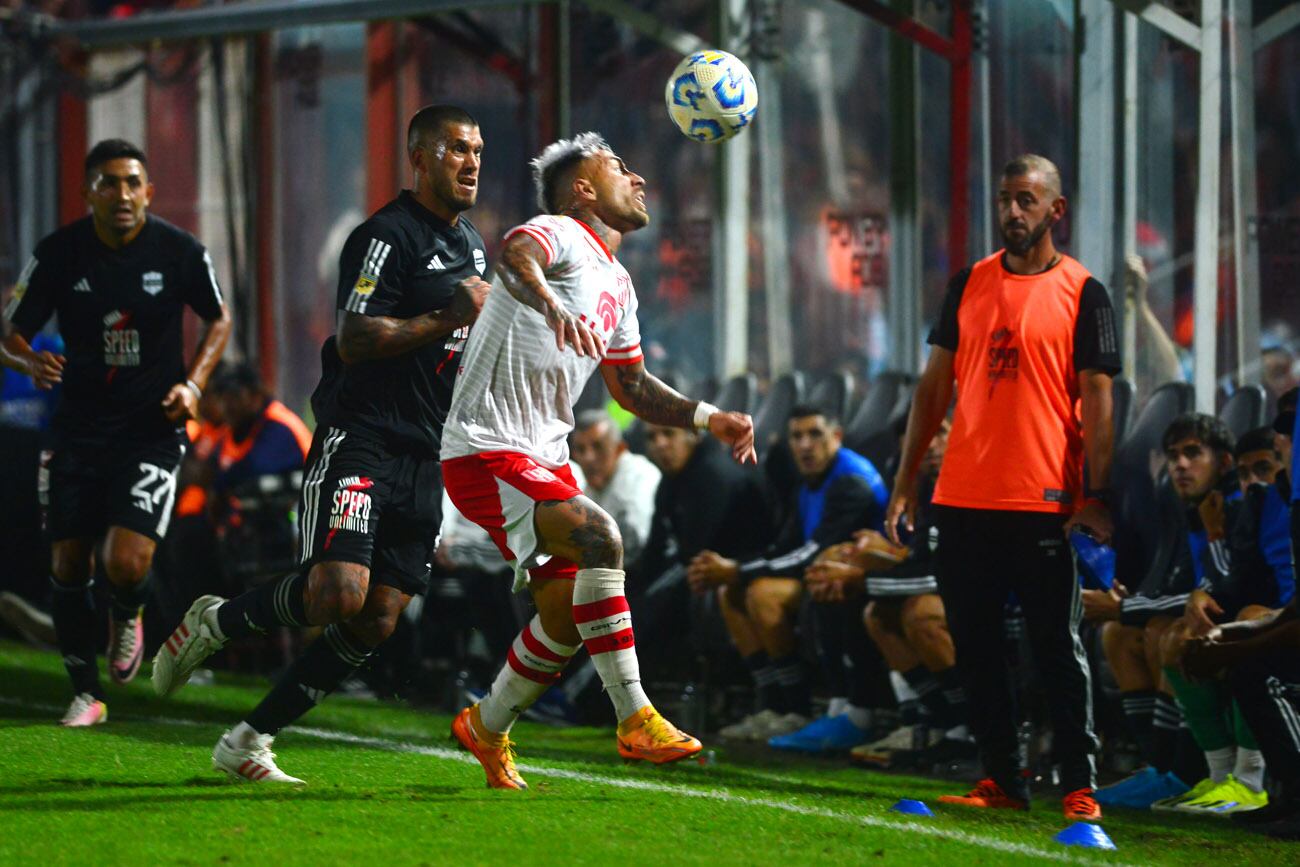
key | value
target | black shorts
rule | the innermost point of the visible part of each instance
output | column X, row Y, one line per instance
column 362, row 504
column 87, row 487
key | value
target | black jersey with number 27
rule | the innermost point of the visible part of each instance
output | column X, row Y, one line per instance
column 403, row 262
column 120, row 314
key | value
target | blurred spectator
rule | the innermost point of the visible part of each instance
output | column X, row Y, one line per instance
column 1278, row 369
column 620, row 482
column 263, row 436
column 841, row 493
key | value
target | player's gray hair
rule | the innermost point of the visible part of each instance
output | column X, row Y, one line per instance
column 1028, row 163
column 553, row 163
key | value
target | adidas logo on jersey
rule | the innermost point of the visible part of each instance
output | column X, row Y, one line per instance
column 82, row 285
column 435, row 264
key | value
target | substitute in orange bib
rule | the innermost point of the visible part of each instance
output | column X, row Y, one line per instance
column 1025, row 337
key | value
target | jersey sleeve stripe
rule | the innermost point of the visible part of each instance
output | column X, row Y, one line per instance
column 212, row 278
column 622, row 359
column 20, row 288
column 537, row 236
column 635, row 347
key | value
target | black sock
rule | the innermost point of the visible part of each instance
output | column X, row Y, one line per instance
column 127, row 601
column 329, row 661
column 1166, row 717
column 275, row 603
column 767, row 694
column 76, row 626
column 1139, row 712
column 929, row 692
column 954, row 697
column 1189, row 761
column 793, row 683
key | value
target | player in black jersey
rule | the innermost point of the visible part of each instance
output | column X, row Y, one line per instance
column 410, row 285
column 118, row 280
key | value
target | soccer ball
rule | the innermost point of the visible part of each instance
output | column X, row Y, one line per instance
column 711, row 96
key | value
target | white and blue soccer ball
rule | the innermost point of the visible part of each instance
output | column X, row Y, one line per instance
column 711, row 96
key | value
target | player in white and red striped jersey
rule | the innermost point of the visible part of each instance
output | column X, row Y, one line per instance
column 564, row 307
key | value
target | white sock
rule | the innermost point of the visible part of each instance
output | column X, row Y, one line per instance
column 242, row 735
column 1249, row 769
column 604, row 621
column 1221, row 762
column 859, row 716
column 902, row 689
column 533, row 664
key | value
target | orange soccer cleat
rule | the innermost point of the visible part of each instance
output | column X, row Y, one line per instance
column 1081, row 806
column 647, row 736
column 986, row 794
column 495, row 753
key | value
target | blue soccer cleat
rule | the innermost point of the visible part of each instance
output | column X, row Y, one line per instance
column 1140, row 790
column 828, row 734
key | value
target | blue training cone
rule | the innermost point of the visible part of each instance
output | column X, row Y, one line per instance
column 912, row 808
column 1087, row 835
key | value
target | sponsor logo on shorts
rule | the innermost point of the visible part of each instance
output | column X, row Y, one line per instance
column 350, row 507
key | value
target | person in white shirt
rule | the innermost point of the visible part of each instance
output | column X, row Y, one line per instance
column 620, row 481
column 564, row 307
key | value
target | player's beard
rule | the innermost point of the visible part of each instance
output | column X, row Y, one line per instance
column 1030, row 239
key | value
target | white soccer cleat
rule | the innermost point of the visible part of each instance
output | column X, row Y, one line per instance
column 249, row 758
column 85, row 710
column 125, row 648
column 192, row 642
column 751, row 728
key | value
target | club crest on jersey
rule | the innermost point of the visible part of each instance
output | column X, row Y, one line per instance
column 152, row 282
column 480, row 261
column 607, row 310
column 350, row 508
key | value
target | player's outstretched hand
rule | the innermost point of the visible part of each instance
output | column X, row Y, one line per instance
column 736, row 429
column 181, row 403
column 572, row 331
column 46, row 369
column 467, row 302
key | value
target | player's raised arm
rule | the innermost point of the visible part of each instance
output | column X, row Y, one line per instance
column 523, row 263
column 363, row 337
column 647, row 397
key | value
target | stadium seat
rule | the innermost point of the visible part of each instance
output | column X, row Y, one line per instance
column 887, row 395
column 833, row 392
column 1244, row 409
column 1140, row 542
column 738, row 394
column 770, row 418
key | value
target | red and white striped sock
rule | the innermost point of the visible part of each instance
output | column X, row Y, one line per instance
column 532, row 666
column 601, row 613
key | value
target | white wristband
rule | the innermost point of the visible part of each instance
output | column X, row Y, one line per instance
column 702, row 412
column 194, row 387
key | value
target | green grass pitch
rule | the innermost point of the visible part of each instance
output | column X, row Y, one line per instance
column 386, row 788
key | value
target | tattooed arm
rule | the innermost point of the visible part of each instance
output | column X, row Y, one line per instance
column 522, row 271
column 647, row 397
column 365, row 338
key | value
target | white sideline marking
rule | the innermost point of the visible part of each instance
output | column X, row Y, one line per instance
column 721, row 795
